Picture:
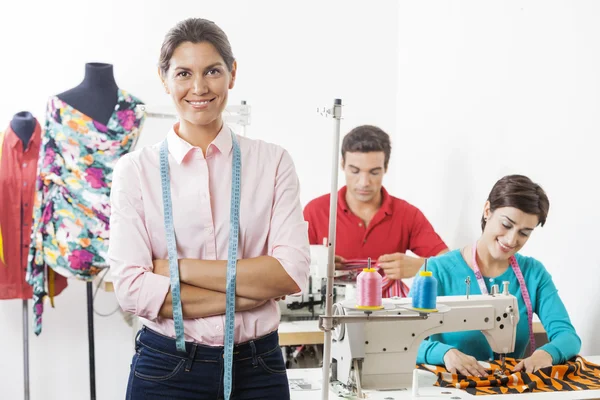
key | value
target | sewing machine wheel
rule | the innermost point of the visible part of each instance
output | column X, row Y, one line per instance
column 339, row 331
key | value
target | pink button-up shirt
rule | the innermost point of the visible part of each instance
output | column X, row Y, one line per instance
column 271, row 223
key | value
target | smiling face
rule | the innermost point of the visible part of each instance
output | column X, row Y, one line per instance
column 364, row 174
column 506, row 231
column 198, row 82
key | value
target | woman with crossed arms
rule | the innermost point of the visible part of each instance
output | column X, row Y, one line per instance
column 198, row 163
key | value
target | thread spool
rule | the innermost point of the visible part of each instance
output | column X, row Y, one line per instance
column 368, row 288
column 424, row 291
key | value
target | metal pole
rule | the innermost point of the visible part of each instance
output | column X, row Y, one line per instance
column 337, row 116
column 26, row 349
column 90, row 314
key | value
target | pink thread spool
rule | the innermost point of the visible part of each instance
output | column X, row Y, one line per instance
column 368, row 287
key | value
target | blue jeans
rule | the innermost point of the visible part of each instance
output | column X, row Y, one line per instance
column 159, row 371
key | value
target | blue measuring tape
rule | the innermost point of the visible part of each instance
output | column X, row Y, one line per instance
column 231, row 257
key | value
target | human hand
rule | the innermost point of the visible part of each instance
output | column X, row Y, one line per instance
column 339, row 262
column 399, row 265
column 161, row 267
column 458, row 362
column 539, row 359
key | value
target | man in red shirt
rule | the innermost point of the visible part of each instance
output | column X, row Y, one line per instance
column 370, row 222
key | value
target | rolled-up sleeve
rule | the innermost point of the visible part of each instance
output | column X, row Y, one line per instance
column 138, row 289
column 288, row 233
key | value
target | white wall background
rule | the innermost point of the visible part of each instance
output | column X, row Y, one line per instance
column 469, row 91
column 492, row 88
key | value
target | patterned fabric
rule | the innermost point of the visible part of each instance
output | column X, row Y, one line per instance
column 577, row 374
column 72, row 202
column 393, row 288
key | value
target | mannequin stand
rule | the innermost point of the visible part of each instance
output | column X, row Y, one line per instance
column 26, row 349
column 92, row 357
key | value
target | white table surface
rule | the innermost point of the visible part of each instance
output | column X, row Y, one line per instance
column 427, row 391
column 299, row 326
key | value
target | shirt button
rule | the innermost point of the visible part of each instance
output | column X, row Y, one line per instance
column 24, row 165
column 24, row 183
column 491, row 279
column 218, row 327
column 360, row 224
column 208, row 230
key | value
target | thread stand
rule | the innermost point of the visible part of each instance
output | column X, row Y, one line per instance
column 326, row 324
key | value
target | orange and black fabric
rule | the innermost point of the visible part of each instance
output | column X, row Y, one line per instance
column 577, row 374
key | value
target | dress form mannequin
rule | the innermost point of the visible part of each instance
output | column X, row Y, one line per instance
column 97, row 95
column 100, row 122
column 23, row 124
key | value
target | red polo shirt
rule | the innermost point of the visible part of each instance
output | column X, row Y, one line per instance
column 18, row 168
column 396, row 227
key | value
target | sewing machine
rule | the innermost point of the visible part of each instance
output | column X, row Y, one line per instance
column 378, row 350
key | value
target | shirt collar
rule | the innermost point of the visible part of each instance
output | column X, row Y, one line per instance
column 179, row 148
column 386, row 200
column 387, row 203
column 13, row 140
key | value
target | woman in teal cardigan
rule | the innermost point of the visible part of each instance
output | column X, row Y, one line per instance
column 514, row 208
